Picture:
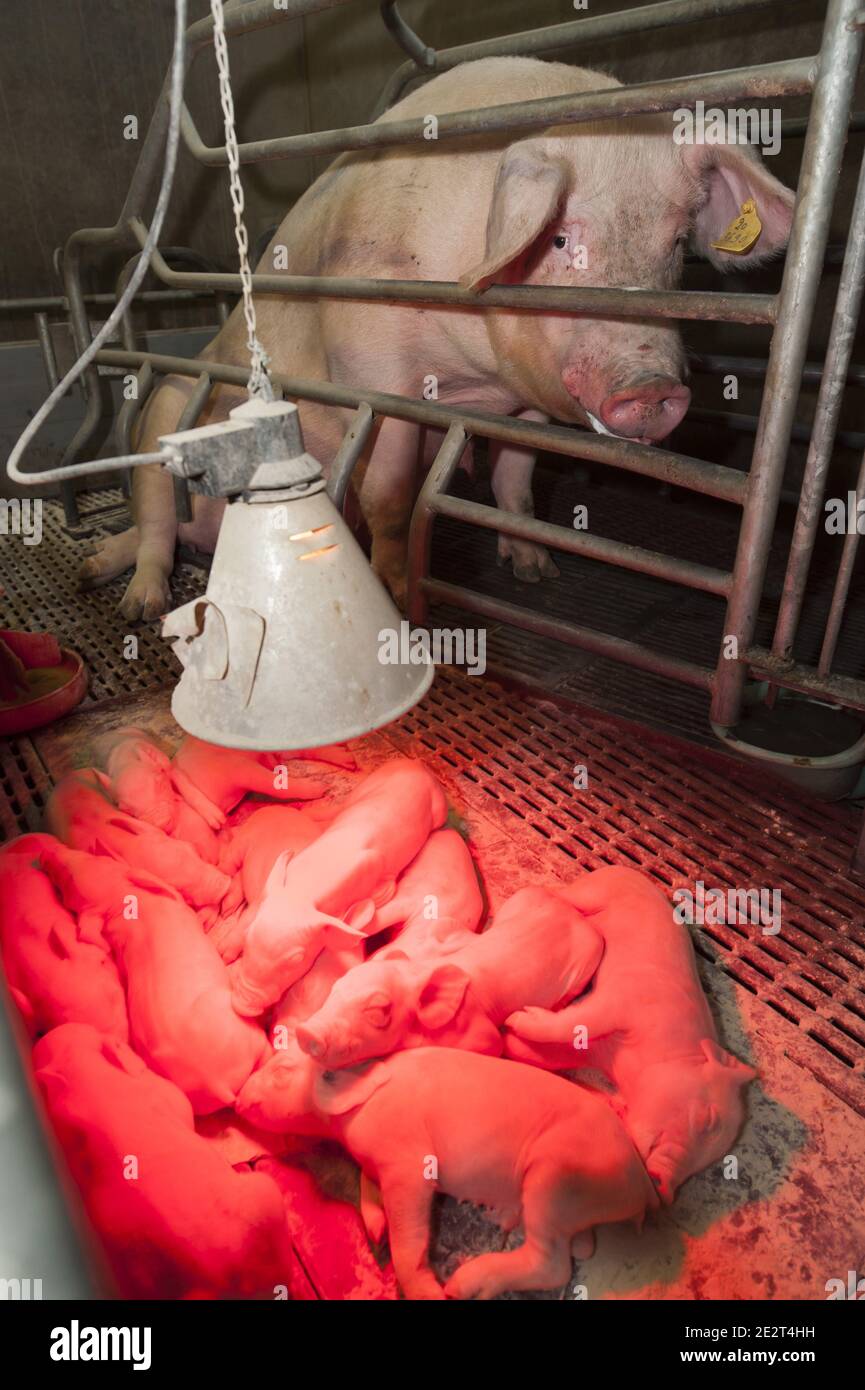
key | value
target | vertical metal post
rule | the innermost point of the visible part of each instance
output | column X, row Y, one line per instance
column 818, row 180
column 420, row 532
column 348, row 453
column 831, row 395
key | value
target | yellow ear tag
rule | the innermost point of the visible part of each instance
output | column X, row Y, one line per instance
column 742, row 232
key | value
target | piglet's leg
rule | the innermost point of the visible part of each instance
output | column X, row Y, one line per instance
column 408, row 1207
column 543, row 1261
column 275, row 783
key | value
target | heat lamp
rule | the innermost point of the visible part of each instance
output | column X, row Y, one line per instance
column 286, row 647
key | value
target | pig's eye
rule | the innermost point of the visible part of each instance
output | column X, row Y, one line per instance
column 378, row 1010
column 560, row 241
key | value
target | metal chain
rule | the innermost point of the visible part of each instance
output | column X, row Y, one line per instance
column 259, row 380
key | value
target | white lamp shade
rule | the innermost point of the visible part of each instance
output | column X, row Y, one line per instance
column 286, row 649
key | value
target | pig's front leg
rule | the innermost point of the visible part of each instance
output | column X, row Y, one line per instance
column 387, row 494
column 512, row 469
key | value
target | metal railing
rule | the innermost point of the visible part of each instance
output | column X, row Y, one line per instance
column 828, row 77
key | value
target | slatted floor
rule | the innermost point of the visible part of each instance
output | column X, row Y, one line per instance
column 680, row 812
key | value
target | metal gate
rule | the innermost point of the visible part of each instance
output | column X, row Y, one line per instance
column 828, row 77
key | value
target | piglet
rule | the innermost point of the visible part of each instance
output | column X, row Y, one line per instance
column 646, row 1025
column 145, row 783
column 438, row 901
column 248, row 854
column 350, row 869
column 278, row 1095
column 56, row 972
column 528, row 1145
column 539, row 950
column 225, row 775
column 81, row 813
column 175, row 1218
column 180, row 1015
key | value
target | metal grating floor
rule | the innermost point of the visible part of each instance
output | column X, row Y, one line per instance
column 678, row 811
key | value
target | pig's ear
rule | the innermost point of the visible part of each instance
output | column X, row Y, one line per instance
column 336, row 934
column 441, row 996
column 731, row 175
column 337, row 1092
column 276, row 877
column 529, row 187
column 737, row 1070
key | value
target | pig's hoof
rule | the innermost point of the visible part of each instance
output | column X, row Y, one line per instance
column 147, row 597
column 473, row 1280
column 108, row 557
column 531, row 562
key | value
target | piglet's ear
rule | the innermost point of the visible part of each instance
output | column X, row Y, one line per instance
column 336, row 935
column 730, row 176
column 441, row 996
column 337, row 1092
column 721, row 1058
column 276, row 877
column 528, row 189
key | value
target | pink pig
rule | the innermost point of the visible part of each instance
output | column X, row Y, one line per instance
column 180, row 1015
column 345, row 874
column 145, row 783
column 539, row 950
column 81, row 813
column 279, row 1095
column 438, row 900
column 648, row 1028
column 225, row 775
column 531, row 1146
column 183, row 1223
column 58, row 971
column 248, row 855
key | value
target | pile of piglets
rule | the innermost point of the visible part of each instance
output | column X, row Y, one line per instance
column 221, row 965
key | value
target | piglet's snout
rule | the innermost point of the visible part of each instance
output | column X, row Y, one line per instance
column 310, row 1043
column 649, row 411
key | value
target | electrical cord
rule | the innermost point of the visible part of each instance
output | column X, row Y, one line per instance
column 77, row 470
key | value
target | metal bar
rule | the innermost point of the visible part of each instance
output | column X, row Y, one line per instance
column 841, row 587
column 611, row 303
column 821, row 165
column 129, row 411
column 748, row 424
column 572, row 542
column 557, row 37
column 348, row 453
column 810, row 510
column 58, row 301
column 405, row 36
column 755, row 367
column 848, row 691
column 600, row 643
column 45, row 343
column 246, row 15
column 711, row 479
column 792, row 77
column 436, row 483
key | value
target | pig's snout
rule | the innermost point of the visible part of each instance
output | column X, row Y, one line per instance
column 647, row 412
column 310, row 1043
